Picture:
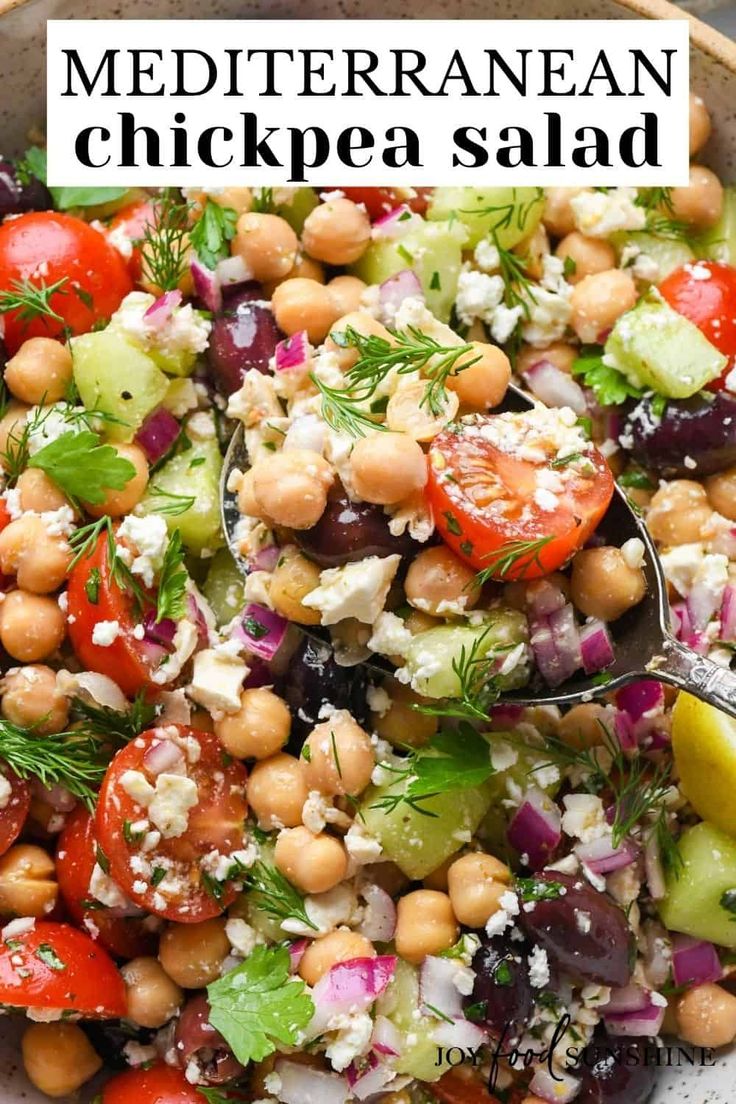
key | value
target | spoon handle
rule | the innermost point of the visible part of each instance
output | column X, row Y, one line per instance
column 680, row 666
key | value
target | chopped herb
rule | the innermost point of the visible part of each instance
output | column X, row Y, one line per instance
column 46, row 953
column 452, row 523
column 275, row 895
column 435, row 283
column 117, row 726
column 569, row 267
column 728, row 901
column 536, row 889
column 82, row 467
column 157, row 876
column 92, row 586
column 212, row 233
column 635, row 478
column 516, row 555
column 172, row 584
column 172, row 505
column 102, row 860
column 466, row 547
column 436, row 1012
column 67, row 198
column 335, row 756
column 610, row 387
column 263, row 201
column 254, row 628
column 75, row 760
column 129, row 835
column 563, row 461
column 502, row 974
column 32, row 301
column 165, row 242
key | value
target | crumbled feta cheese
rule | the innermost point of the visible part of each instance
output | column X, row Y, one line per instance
column 138, row 1055
column 186, row 639
column 137, row 786
column 632, row 551
column 478, row 295
column 486, row 256
column 538, row 968
column 242, row 936
column 584, row 817
column 599, row 214
column 326, row 911
column 548, row 317
column 504, row 916
column 6, row 791
column 149, row 536
column 356, row 590
column 185, row 330
column 413, row 514
column 361, row 846
column 217, row 680
column 103, row 889
column 105, row 633
column 354, row 1030
column 389, row 635
column 47, row 424
column 378, row 700
column 20, row 926
column 181, row 397
column 169, row 810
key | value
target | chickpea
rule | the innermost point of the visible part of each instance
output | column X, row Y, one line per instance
column 439, row 583
column 700, row 203
column 476, row 883
column 401, row 724
column 604, row 585
column 482, row 385
column 363, row 323
column 259, row 729
column 40, row 371
column 32, row 626
column 678, row 512
column 407, row 411
column 721, row 491
column 276, row 791
column 346, row 293
column 437, row 878
column 293, row 578
column 291, row 487
column 192, row 954
column 706, row 1016
column 338, row 756
column 11, row 427
column 304, row 304
column 58, row 1058
column 425, row 925
column 386, row 468
column 582, row 726
column 560, row 354
column 700, row 125
column 267, row 244
column 153, row 998
column 588, row 256
column 30, row 698
column 336, row 232
column 598, row 300
column 27, row 881
column 313, row 864
column 339, row 946
column 558, row 216
column 239, row 200
column 532, row 1100
column 37, row 492
column 119, row 503
column 38, row 560
column 418, row 622
column 246, row 498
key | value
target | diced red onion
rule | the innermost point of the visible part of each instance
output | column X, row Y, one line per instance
column 559, row 1089
column 232, row 270
column 644, row 1021
column 645, row 696
column 305, row 1085
column 198, row 618
column 261, row 630
column 58, row 797
column 386, row 1038
column 535, row 828
column 159, row 632
column 596, row 647
column 266, row 558
column 154, row 653
column 602, row 857
column 694, row 961
column 354, row 984
column 296, row 952
column 554, row 387
column 728, row 614
column 163, row 757
column 292, row 353
column 206, row 285
column 544, row 598
column 379, row 920
column 370, row 1080
column 158, row 433
column 623, row 730
column 404, row 285
column 437, row 988
column 555, row 642
column 543, row 648
column 699, row 642
column 460, row 1033
column 160, row 311
column 91, row 686
column 702, row 603
column 506, row 716
column 628, row 998
column 395, row 224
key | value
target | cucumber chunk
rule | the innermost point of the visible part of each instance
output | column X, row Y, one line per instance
column 656, row 347
column 223, row 587
column 400, row 1004
column 433, row 250
column 693, row 901
column 514, row 213
column 719, row 244
column 297, row 207
column 113, row 375
column 431, row 654
column 668, row 253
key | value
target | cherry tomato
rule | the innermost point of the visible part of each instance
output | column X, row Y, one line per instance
column 491, row 507
column 709, row 303
column 168, row 878
column 379, row 201
column 44, row 247
column 157, row 1085
column 131, row 223
column 125, row 936
column 54, row 966
column 94, row 596
column 14, row 812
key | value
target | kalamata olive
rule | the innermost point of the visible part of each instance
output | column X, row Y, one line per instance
column 693, row 437
column 196, row 1040
column 110, row 1037
column 617, row 1071
column 502, row 995
column 243, row 336
column 314, row 680
column 19, row 194
column 583, row 931
column 350, row 531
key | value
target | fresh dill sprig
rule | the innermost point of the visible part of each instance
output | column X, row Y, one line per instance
column 669, row 852
column 83, row 542
column 75, row 760
column 165, row 242
column 410, row 351
column 474, row 669
column 32, row 300
column 173, row 504
column 510, row 215
column 516, row 555
column 518, row 288
column 276, row 896
column 263, row 201
column 117, row 726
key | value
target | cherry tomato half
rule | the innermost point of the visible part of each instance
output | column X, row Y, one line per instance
column 44, row 247
column 94, row 596
column 157, row 1085
column 14, row 812
column 493, row 509
column 125, row 936
column 379, row 201
column 709, row 302
column 54, row 966
column 168, row 879
column 130, row 224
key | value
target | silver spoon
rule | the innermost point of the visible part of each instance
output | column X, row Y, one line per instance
column 643, row 641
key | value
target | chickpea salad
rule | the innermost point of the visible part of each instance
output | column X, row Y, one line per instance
column 270, row 828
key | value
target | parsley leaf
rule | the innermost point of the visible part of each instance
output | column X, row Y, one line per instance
column 65, row 198
column 256, row 1005
column 82, row 467
column 212, row 232
column 172, row 585
column 610, row 387
column 33, row 163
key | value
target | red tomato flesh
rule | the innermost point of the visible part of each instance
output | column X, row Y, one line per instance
column 504, row 503
column 131, row 222
column 13, row 815
column 44, row 247
column 709, row 303
column 379, row 201
column 54, row 966
column 158, row 1085
column 214, row 824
